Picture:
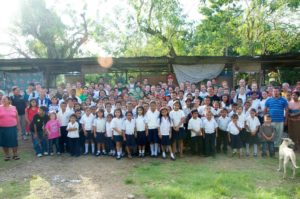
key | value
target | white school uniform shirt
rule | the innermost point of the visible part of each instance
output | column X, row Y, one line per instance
column 129, row 126
column 231, row 113
column 176, row 117
column 106, row 113
column 232, row 129
column 87, row 121
column 223, row 105
column 151, row 118
column 164, row 125
column 241, row 120
column 118, row 124
column 195, row 125
column 203, row 94
column 73, row 134
column 109, row 130
column 140, row 123
column 201, row 109
column 63, row 117
column 216, row 112
column 246, row 113
column 255, row 104
column 210, row 125
column 252, row 123
column 223, row 123
column 243, row 97
column 170, row 103
column 99, row 123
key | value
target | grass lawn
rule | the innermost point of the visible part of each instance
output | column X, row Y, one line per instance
column 223, row 177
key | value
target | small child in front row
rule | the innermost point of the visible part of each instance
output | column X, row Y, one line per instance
column 195, row 126
column 87, row 127
column 117, row 125
column 252, row 125
column 73, row 136
column 141, row 130
column 234, row 128
column 222, row 138
column 210, row 127
column 52, row 128
column 164, row 132
column 110, row 145
column 129, row 133
column 267, row 133
column 99, row 132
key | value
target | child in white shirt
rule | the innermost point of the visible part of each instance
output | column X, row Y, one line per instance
column 73, row 136
column 210, row 128
column 87, row 126
column 164, row 132
column 195, row 126
column 252, row 126
column 99, row 129
column 117, row 125
column 129, row 133
column 222, row 138
column 109, row 135
column 141, row 130
column 234, row 129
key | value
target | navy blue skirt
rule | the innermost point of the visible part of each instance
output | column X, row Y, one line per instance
column 178, row 135
column 8, row 136
column 141, row 138
column 236, row 142
column 130, row 140
column 153, row 135
column 165, row 140
column 89, row 136
column 118, row 138
column 100, row 138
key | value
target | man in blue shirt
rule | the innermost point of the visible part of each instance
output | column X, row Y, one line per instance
column 276, row 106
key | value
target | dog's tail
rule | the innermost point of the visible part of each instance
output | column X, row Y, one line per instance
column 293, row 160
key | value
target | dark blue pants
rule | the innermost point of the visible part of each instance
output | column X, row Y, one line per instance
column 210, row 140
column 54, row 141
column 74, row 146
column 63, row 140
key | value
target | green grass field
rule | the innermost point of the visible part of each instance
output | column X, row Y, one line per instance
column 222, row 177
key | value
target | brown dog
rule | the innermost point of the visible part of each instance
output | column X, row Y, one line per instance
column 285, row 155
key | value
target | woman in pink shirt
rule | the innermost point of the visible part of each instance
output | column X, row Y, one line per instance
column 8, row 128
column 53, row 130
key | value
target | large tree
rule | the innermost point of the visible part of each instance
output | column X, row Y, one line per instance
column 40, row 32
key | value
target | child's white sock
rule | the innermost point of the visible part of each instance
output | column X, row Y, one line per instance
column 93, row 148
column 152, row 149
column 247, row 148
column 255, row 149
column 155, row 148
column 143, row 151
column 158, row 148
column 86, row 148
column 140, row 151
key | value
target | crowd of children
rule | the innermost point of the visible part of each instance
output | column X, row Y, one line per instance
column 168, row 119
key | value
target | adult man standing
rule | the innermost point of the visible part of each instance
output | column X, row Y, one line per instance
column 276, row 106
column 20, row 103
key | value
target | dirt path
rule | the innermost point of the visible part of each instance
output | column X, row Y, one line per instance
column 67, row 177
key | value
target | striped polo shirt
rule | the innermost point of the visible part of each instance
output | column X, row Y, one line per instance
column 276, row 108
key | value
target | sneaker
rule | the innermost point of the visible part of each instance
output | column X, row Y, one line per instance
column 58, row 153
column 39, row 155
column 172, row 157
column 140, row 155
column 255, row 155
column 164, row 155
column 51, row 154
column 118, row 157
column 45, row 153
column 98, row 153
column 85, row 153
column 104, row 153
column 247, row 154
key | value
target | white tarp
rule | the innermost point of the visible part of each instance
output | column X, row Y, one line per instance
column 197, row 73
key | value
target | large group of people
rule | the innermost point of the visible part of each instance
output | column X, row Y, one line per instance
column 142, row 119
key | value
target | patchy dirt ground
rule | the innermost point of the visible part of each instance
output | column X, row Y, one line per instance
column 67, row 177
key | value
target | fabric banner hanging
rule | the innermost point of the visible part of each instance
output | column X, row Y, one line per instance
column 197, row 73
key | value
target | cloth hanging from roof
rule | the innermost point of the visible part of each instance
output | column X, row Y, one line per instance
column 197, row 73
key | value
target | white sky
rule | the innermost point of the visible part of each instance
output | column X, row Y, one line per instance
column 9, row 12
